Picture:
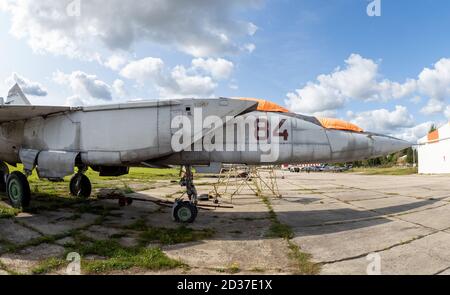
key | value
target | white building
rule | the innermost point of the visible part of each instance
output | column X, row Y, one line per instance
column 434, row 151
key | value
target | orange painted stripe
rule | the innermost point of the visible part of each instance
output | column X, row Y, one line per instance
column 433, row 136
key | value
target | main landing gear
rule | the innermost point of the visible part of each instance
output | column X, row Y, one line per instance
column 80, row 185
column 16, row 187
column 186, row 211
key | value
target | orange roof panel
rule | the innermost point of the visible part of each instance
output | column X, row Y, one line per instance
column 331, row 123
column 433, row 136
column 266, row 106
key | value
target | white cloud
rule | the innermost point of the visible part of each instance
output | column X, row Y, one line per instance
column 28, row 87
column 181, row 84
column 143, row 70
column 116, row 62
column 198, row 27
column 433, row 106
column 358, row 80
column 84, row 84
column 119, row 88
column 178, row 82
column 219, row 69
column 435, row 84
column 382, row 120
column 75, row 101
column 250, row 47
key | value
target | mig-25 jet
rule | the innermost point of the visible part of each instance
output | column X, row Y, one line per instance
column 60, row 141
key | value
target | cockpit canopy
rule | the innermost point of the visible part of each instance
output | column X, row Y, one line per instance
column 328, row 123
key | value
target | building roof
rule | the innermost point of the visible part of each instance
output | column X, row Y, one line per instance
column 437, row 135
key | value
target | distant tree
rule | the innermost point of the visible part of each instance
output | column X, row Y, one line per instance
column 432, row 128
column 410, row 156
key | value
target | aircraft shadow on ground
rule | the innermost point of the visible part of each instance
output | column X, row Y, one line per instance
column 318, row 222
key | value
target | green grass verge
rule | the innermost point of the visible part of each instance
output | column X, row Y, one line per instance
column 385, row 171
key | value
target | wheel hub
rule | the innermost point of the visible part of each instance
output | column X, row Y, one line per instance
column 15, row 191
column 184, row 214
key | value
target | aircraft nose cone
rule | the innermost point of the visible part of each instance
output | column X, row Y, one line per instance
column 385, row 145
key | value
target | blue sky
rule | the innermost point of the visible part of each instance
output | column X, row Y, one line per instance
column 267, row 49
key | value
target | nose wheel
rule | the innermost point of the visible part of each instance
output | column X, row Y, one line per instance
column 186, row 211
column 80, row 186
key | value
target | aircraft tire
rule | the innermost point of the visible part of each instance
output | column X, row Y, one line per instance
column 4, row 172
column 84, row 189
column 18, row 190
column 184, row 212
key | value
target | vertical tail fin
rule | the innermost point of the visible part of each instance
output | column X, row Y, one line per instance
column 16, row 96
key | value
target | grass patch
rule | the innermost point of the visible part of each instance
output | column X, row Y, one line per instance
column 8, row 212
column 233, row 268
column 138, row 225
column 303, row 261
column 171, row 236
column 277, row 229
column 280, row 230
column 118, row 257
column 49, row 265
column 257, row 270
column 167, row 236
column 385, row 171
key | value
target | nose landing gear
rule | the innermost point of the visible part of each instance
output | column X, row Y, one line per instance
column 186, row 211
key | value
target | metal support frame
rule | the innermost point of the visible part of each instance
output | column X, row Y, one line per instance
column 238, row 177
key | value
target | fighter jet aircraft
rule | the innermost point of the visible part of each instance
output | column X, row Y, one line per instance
column 110, row 139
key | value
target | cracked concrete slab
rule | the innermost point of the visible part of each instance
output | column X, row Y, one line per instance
column 318, row 214
column 436, row 218
column 57, row 222
column 354, row 195
column 25, row 260
column 341, row 241
column 272, row 254
column 15, row 233
column 97, row 232
column 428, row 255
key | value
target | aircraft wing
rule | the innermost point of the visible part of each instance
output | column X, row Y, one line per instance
column 9, row 113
